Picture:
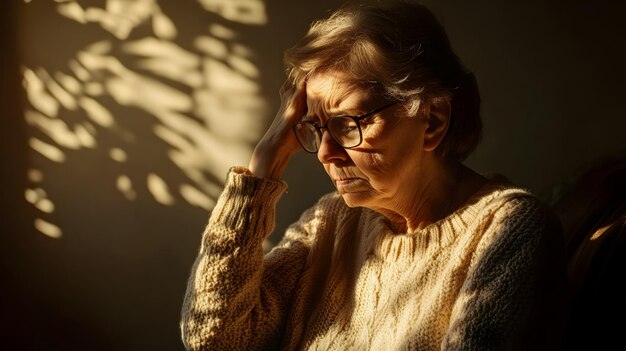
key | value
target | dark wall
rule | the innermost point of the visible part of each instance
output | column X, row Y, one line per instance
column 551, row 77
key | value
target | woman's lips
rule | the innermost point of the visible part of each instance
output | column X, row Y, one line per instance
column 348, row 184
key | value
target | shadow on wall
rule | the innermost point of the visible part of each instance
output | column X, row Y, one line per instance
column 135, row 94
column 133, row 113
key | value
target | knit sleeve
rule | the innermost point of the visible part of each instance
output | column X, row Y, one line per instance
column 235, row 301
column 511, row 297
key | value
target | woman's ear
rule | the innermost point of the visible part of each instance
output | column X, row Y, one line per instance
column 438, row 120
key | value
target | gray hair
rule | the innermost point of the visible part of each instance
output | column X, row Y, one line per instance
column 402, row 52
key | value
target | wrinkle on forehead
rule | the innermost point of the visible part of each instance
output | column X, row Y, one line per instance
column 333, row 92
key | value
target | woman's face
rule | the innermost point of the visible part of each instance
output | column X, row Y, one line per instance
column 383, row 172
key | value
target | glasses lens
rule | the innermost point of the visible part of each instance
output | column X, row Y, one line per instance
column 345, row 130
column 307, row 136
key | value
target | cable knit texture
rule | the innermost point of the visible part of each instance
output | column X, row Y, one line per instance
column 487, row 277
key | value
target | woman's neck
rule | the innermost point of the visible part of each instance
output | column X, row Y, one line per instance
column 447, row 187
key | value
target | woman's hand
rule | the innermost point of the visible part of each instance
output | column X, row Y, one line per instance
column 272, row 153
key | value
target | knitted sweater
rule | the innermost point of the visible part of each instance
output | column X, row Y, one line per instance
column 485, row 277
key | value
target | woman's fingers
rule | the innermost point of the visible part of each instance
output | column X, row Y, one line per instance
column 292, row 109
column 293, row 101
column 299, row 100
column 274, row 150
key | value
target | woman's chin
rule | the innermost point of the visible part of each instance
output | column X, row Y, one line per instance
column 355, row 192
column 355, row 199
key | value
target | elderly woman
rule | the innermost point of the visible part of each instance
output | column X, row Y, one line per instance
column 414, row 250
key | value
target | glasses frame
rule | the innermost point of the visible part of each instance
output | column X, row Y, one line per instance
column 318, row 128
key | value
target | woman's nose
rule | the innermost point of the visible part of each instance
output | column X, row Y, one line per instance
column 330, row 151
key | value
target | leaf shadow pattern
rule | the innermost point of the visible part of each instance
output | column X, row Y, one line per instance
column 170, row 113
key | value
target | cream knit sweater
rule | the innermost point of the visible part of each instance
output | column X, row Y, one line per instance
column 486, row 277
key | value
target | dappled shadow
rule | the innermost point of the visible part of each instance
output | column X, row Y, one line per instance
column 134, row 111
column 199, row 102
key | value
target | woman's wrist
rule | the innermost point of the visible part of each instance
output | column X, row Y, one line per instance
column 267, row 163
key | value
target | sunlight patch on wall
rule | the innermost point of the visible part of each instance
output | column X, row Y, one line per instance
column 35, row 175
column 38, row 198
column 48, row 229
column 241, row 11
column 118, row 154
column 49, row 151
column 159, row 189
column 37, row 96
column 120, row 17
column 137, row 84
column 125, row 186
column 196, row 197
column 57, row 130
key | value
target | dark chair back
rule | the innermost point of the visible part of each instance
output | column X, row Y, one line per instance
column 592, row 211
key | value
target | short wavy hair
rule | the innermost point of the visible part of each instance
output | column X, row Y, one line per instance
column 402, row 52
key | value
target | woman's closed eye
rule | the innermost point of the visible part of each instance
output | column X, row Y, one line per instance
column 342, row 125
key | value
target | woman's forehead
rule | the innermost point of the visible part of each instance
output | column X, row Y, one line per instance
column 333, row 89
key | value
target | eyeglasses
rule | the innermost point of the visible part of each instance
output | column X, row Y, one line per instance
column 345, row 130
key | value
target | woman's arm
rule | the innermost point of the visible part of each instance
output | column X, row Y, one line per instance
column 233, row 301
column 512, row 297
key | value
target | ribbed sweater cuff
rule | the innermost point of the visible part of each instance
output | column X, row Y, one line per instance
column 248, row 202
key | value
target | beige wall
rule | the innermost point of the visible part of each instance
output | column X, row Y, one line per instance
column 106, row 187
